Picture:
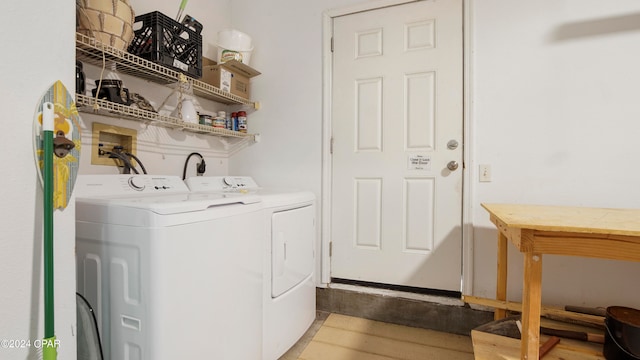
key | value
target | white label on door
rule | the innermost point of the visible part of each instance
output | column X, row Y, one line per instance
column 419, row 162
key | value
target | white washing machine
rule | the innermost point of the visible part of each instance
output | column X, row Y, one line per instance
column 171, row 274
column 289, row 228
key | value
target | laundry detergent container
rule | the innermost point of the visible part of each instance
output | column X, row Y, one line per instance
column 622, row 336
column 234, row 45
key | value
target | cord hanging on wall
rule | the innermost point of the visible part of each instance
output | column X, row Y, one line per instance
column 201, row 167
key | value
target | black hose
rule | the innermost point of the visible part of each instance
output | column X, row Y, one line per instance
column 128, row 166
column 144, row 171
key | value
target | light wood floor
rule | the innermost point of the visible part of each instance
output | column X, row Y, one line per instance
column 349, row 338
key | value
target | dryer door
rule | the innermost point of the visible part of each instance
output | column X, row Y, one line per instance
column 292, row 234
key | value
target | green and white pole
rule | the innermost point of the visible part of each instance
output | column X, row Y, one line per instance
column 49, row 351
column 183, row 4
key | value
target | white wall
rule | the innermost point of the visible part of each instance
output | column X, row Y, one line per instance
column 555, row 114
column 34, row 57
column 287, row 36
column 552, row 111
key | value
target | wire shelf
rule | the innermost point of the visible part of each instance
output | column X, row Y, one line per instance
column 87, row 104
column 96, row 53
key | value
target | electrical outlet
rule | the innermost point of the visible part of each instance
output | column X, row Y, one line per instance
column 485, row 173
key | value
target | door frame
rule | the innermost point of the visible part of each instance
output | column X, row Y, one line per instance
column 468, row 165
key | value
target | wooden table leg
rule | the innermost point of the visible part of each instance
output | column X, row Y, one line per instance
column 501, row 286
column 531, row 302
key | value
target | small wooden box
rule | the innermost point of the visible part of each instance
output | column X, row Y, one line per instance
column 231, row 76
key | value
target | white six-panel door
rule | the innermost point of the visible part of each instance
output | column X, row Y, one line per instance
column 397, row 97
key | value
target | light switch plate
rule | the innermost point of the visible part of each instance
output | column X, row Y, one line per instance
column 485, row 173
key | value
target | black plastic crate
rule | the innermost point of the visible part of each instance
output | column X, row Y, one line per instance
column 165, row 41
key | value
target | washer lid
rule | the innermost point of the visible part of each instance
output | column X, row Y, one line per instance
column 171, row 203
column 283, row 197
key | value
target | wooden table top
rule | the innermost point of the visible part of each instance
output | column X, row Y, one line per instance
column 568, row 218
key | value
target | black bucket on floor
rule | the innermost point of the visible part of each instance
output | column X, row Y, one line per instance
column 622, row 338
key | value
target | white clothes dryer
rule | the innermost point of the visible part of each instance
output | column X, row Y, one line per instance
column 171, row 274
column 289, row 296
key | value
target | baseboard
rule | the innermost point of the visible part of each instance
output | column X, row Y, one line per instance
column 440, row 314
column 398, row 288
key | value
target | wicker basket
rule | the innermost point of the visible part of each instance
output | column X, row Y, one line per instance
column 108, row 21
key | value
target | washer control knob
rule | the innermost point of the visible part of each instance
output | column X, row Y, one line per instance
column 229, row 181
column 135, row 186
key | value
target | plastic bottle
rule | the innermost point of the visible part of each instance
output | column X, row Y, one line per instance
column 228, row 124
column 242, row 121
column 206, row 119
column 218, row 122
column 234, row 121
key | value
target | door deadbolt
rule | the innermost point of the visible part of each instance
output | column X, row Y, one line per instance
column 452, row 165
column 452, row 144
